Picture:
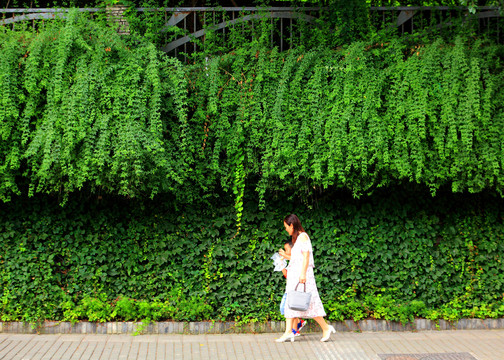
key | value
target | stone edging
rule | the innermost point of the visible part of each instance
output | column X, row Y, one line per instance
column 54, row 327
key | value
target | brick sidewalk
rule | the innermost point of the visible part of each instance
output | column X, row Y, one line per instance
column 428, row 345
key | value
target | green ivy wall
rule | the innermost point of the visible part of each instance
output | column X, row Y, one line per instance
column 126, row 174
column 397, row 247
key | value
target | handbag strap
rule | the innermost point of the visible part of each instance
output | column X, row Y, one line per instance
column 298, row 285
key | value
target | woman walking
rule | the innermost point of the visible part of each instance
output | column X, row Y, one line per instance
column 300, row 270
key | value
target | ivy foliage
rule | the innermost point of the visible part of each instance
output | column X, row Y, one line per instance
column 84, row 107
column 141, row 259
column 88, row 114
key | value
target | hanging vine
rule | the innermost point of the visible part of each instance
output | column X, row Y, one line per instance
column 82, row 107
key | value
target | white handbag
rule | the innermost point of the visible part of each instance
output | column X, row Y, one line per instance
column 298, row 300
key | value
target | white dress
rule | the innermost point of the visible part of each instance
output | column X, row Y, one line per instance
column 294, row 271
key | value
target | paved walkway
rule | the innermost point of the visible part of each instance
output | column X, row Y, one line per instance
column 425, row 345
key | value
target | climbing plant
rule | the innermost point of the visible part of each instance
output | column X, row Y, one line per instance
column 83, row 107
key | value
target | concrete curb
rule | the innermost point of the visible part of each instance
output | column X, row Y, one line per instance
column 206, row 327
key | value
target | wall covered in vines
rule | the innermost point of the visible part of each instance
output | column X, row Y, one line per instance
column 393, row 255
column 191, row 150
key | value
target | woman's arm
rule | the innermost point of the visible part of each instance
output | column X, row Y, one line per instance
column 306, row 259
column 304, row 267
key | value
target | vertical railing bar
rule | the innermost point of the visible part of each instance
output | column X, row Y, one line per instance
column 291, row 38
column 498, row 29
column 402, row 26
column 479, row 27
column 451, row 21
column 166, row 21
column 194, row 30
column 488, row 25
column 185, row 44
column 271, row 23
column 252, row 22
column 213, row 20
column 281, row 34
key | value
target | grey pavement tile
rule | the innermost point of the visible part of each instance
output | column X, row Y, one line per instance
column 61, row 350
column 72, row 337
column 88, row 351
column 108, row 349
column 161, row 351
column 142, row 349
column 117, row 338
column 98, row 351
column 454, row 342
column 328, row 350
column 80, row 351
column 23, row 353
column 368, row 349
column 178, row 350
column 51, row 351
column 404, row 343
column 12, row 349
column 124, row 353
column 428, row 356
column 4, row 344
column 133, row 350
column 21, row 337
column 489, row 344
column 145, row 338
column 39, row 350
column 152, row 351
column 95, row 338
column 72, row 348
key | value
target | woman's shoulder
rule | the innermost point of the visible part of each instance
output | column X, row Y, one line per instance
column 303, row 237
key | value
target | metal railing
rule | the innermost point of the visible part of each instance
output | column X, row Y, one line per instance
column 195, row 22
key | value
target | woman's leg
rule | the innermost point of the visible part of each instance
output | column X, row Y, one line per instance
column 325, row 326
column 288, row 326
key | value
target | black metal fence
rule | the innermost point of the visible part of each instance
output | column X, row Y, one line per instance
column 193, row 23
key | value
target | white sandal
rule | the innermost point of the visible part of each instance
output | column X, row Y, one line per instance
column 285, row 337
column 331, row 330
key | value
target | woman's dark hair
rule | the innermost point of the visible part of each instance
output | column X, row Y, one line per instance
column 296, row 223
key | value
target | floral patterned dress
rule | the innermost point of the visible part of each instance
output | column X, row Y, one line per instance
column 294, row 271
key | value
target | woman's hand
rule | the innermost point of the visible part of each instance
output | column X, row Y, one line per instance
column 302, row 279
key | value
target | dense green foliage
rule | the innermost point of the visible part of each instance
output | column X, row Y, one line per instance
column 138, row 123
column 438, row 257
column 176, row 155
